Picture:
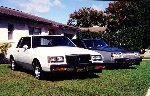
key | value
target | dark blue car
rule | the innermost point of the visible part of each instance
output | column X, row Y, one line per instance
column 113, row 55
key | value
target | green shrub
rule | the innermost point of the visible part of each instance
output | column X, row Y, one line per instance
column 3, row 47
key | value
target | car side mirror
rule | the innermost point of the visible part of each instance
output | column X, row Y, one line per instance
column 25, row 47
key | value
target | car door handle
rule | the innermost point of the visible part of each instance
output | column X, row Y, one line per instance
column 17, row 50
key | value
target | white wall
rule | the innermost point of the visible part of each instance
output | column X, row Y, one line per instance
column 44, row 31
column 3, row 30
column 21, row 29
column 3, row 34
column 74, row 37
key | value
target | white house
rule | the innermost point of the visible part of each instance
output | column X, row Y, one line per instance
column 15, row 23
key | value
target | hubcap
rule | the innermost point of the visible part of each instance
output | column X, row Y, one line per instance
column 37, row 72
column 12, row 64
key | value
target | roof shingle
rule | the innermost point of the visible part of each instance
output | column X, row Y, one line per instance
column 20, row 14
column 93, row 29
column 17, row 13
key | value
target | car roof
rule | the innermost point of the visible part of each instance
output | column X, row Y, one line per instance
column 86, row 39
column 41, row 35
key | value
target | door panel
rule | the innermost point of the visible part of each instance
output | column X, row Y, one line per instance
column 22, row 55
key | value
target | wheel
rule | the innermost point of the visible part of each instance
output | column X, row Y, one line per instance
column 13, row 64
column 38, row 73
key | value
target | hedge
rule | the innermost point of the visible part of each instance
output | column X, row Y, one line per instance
column 3, row 47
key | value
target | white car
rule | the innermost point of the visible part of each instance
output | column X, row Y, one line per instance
column 51, row 54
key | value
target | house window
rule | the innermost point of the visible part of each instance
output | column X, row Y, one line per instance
column 37, row 31
column 31, row 30
column 10, row 31
column 34, row 31
column 70, row 36
column 51, row 32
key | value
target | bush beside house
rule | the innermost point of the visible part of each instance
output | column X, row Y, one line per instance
column 3, row 50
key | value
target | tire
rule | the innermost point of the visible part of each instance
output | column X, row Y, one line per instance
column 126, row 65
column 89, row 74
column 38, row 73
column 14, row 66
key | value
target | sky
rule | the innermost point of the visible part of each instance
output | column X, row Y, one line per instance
column 56, row 10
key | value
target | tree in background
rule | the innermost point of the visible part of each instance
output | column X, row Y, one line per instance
column 120, row 15
column 87, row 17
column 128, row 23
column 130, row 19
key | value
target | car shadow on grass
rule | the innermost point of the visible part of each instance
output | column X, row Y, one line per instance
column 62, row 75
column 121, row 67
column 70, row 76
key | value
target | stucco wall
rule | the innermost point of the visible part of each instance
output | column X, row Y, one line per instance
column 21, row 28
column 3, row 34
column 3, row 30
column 44, row 30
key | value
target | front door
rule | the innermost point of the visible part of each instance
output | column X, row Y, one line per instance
column 22, row 55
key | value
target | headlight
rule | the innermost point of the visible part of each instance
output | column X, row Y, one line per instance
column 55, row 59
column 116, row 55
column 96, row 57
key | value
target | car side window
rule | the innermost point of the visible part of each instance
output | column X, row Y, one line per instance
column 19, row 43
column 24, row 41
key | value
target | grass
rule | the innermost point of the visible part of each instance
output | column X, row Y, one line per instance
column 133, row 81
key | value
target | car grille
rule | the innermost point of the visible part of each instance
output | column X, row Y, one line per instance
column 76, row 59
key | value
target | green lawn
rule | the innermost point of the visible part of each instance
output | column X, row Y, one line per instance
column 122, row 82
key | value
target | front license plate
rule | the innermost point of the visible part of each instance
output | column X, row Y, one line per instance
column 80, row 69
column 90, row 67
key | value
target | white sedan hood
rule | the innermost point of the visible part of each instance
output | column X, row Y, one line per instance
column 64, row 50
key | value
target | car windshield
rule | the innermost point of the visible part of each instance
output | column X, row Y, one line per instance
column 78, row 43
column 49, row 41
column 94, row 43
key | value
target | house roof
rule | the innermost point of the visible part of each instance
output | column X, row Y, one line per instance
column 20, row 14
column 93, row 29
